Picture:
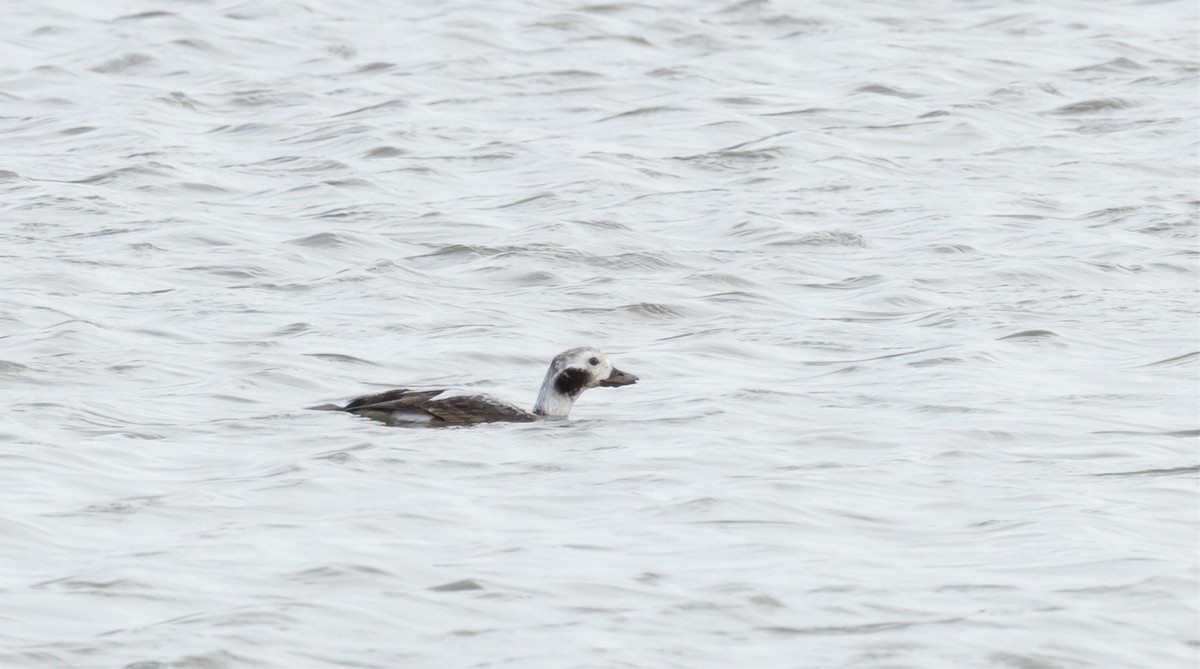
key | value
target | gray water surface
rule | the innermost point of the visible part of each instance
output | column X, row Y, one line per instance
column 911, row 288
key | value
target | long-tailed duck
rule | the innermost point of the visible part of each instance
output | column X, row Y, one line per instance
column 570, row 373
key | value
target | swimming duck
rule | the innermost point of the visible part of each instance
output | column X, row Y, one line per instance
column 570, row 373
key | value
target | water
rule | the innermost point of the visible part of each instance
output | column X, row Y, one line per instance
column 911, row 289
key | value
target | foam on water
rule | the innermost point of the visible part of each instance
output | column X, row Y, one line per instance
column 911, row 292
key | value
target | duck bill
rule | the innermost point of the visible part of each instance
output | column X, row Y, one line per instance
column 619, row 378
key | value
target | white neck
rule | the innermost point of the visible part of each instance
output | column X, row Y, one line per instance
column 551, row 403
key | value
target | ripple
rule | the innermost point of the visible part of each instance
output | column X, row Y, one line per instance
column 1175, row 471
column 825, row 238
column 126, row 63
column 385, row 152
column 888, row 91
column 1030, row 335
column 869, row 628
column 644, row 111
column 1187, row 359
column 387, row 106
column 1099, row 105
column 458, row 586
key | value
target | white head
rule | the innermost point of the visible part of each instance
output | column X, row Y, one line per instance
column 572, row 372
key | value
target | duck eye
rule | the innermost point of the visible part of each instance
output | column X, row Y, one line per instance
column 594, row 361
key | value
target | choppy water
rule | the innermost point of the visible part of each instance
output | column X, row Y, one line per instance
column 911, row 288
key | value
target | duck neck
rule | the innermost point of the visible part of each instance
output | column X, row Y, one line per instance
column 558, row 394
column 551, row 404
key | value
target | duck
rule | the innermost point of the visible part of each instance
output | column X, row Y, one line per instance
column 569, row 375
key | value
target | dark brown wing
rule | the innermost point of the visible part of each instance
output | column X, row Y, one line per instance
column 468, row 409
column 399, row 398
column 460, row 410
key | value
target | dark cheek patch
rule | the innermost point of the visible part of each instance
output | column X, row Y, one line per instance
column 571, row 382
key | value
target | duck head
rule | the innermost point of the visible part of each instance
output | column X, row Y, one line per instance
column 572, row 372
